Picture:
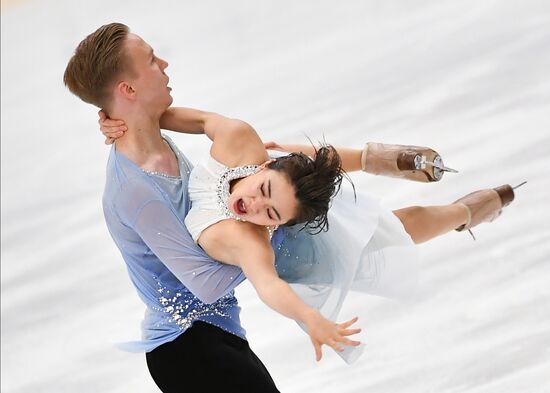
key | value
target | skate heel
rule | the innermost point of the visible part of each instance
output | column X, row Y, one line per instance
column 486, row 205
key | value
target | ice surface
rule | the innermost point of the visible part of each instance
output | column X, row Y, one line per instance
column 468, row 78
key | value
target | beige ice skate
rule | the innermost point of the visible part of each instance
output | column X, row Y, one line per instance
column 415, row 163
column 486, row 205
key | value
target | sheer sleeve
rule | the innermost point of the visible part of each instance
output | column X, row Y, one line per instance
column 163, row 231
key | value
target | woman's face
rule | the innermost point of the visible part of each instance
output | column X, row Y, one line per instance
column 265, row 198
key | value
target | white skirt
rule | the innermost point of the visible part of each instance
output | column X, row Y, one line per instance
column 366, row 249
column 389, row 263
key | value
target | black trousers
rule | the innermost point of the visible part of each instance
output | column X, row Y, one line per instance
column 207, row 359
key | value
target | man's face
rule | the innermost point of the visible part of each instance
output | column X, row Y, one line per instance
column 149, row 80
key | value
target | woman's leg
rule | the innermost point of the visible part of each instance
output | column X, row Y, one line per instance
column 423, row 223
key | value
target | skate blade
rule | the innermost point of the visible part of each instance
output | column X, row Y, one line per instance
column 441, row 167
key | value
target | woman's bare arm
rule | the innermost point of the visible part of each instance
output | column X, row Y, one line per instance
column 178, row 119
column 184, row 120
column 247, row 246
column 234, row 141
column 351, row 158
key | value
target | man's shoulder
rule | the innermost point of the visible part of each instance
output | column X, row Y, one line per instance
column 134, row 187
column 127, row 188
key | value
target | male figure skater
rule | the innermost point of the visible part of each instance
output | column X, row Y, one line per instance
column 191, row 331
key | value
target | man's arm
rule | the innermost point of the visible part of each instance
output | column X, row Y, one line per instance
column 139, row 208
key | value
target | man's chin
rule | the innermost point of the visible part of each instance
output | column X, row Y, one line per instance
column 169, row 102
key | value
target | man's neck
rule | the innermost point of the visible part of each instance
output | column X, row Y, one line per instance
column 143, row 144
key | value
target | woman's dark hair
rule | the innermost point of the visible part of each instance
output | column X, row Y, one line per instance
column 316, row 181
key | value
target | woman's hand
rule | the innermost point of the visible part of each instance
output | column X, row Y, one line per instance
column 325, row 332
column 112, row 129
column 273, row 146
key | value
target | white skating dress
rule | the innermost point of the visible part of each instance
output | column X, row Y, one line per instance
column 366, row 248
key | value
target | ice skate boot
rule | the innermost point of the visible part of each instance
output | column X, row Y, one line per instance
column 408, row 162
column 486, row 205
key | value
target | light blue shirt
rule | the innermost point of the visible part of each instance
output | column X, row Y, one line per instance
column 178, row 282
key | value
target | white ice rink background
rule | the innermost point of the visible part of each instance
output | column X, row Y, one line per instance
column 468, row 78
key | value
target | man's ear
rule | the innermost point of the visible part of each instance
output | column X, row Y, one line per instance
column 265, row 164
column 125, row 90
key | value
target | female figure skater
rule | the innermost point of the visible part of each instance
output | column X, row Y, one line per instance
column 240, row 197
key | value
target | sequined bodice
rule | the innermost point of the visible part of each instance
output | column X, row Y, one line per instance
column 209, row 186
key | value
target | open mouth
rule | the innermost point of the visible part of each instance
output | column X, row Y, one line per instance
column 239, row 207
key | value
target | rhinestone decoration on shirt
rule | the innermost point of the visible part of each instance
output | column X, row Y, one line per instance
column 223, row 186
column 184, row 311
column 174, row 179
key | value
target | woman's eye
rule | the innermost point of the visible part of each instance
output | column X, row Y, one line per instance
column 269, row 215
column 262, row 190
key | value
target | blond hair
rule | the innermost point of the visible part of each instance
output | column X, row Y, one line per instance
column 98, row 60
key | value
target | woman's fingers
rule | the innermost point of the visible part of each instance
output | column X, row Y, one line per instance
column 343, row 332
column 112, row 129
column 121, row 125
column 318, row 350
column 113, row 125
column 346, row 341
column 348, row 323
column 335, row 336
column 110, row 132
column 115, row 131
column 105, row 121
column 350, row 332
column 351, row 343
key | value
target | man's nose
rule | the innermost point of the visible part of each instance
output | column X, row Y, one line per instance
column 163, row 63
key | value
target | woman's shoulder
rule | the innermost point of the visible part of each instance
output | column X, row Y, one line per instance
column 238, row 145
column 228, row 239
column 237, row 234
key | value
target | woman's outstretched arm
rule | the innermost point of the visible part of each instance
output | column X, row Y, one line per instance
column 277, row 294
column 351, row 158
column 189, row 121
column 194, row 121
column 248, row 247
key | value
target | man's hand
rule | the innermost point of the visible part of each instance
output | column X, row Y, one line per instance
column 112, row 129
